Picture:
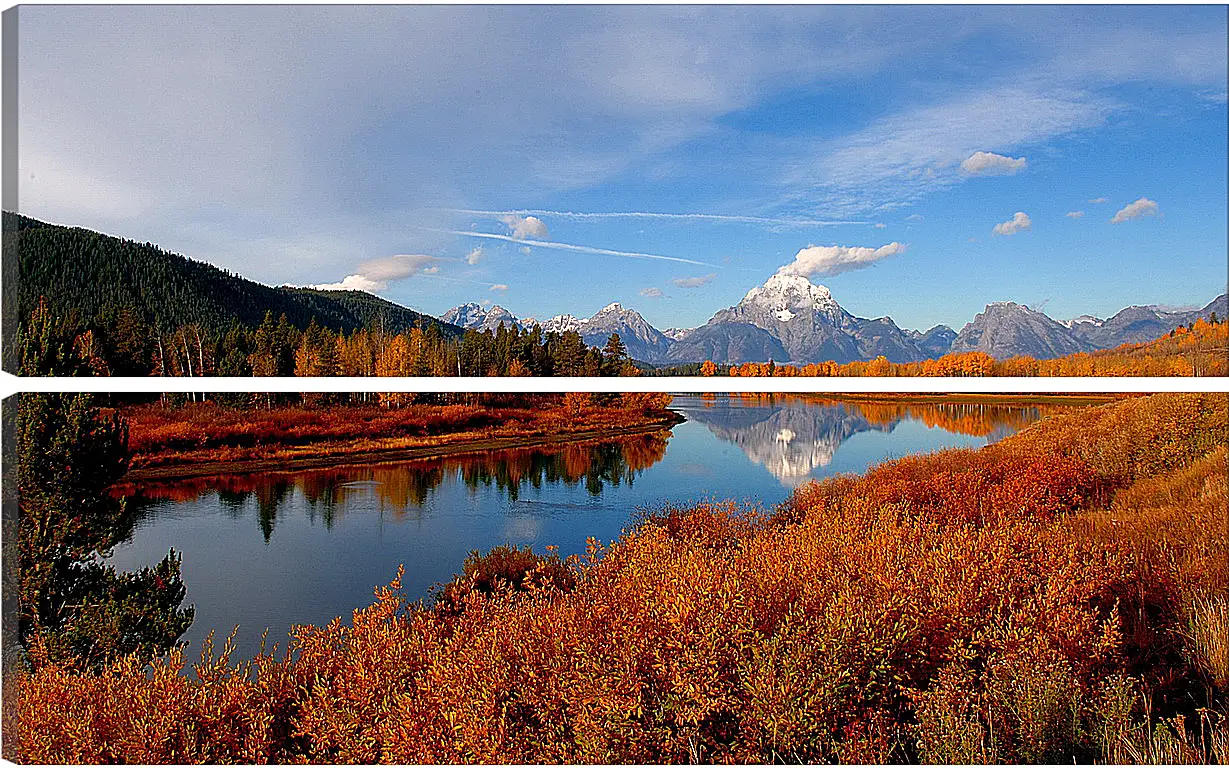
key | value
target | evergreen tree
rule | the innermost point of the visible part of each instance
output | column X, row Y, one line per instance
column 614, row 354
column 74, row 607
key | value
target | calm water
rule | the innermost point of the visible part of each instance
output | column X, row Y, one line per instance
column 276, row 550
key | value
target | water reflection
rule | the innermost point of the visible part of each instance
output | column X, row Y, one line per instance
column 404, row 489
column 792, row 436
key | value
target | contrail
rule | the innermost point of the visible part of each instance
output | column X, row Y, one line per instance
column 568, row 247
column 655, row 215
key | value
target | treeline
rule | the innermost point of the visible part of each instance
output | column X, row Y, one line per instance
column 1200, row 349
column 1056, row 597
column 92, row 278
column 124, row 344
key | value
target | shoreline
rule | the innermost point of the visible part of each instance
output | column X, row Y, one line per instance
column 1021, row 399
column 343, row 458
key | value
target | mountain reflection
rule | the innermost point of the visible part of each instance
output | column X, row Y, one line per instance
column 792, row 436
column 404, row 488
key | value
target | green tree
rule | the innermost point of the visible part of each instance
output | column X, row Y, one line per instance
column 613, row 355
column 46, row 346
column 73, row 606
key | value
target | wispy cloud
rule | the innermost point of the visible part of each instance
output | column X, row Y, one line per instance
column 835, row 259
column 694, row 282
column 374, row 275
column 1099, row 200
column 474, row 256
column 568, row 247
column 654, row 215
column 1141, row 207
column 499, row 287
column 1018, row 223
column 906, row 155
column 1075, row 214
column 990, row 164
column 652, row 293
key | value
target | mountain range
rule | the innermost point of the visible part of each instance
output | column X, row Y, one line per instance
column 789, row 319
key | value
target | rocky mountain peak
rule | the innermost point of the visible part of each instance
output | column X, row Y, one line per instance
column 786, row 296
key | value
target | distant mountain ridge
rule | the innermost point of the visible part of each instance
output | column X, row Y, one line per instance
column 75, row 269
column 791, row 320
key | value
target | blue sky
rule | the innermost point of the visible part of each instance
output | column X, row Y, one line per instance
column 555, row 159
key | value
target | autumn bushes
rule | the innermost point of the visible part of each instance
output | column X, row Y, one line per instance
column 1054, row 597
column 161, row 436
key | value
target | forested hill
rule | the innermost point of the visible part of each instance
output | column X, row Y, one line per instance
column 97, row 276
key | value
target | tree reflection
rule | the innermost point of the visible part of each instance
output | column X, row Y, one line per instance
column 405, row 488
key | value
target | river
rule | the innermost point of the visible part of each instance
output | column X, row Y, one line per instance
column 277, row 549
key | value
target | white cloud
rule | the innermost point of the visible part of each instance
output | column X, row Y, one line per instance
column 835, row 259
column 499, row 287
column 915, row 217
column 374, row 275
column 881, row 225
column 352, row 283
column 652, row 293
column 526, row 227
column 989, row 164
column 694, row 282
column 474, row 256
column 1141, row 207
column 1075, row 214
column 1099, row 200
column 1019, row 223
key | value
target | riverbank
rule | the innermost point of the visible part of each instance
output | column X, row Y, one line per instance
column 206, row 439
column 457, row 445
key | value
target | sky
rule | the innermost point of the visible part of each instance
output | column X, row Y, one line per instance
column 920, row 161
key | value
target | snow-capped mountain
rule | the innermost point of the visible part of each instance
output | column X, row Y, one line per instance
column 643, row 341
column 562, row 324
column 789, row 319
column 1096, row 322
column 802, row 323
column 473, row 317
